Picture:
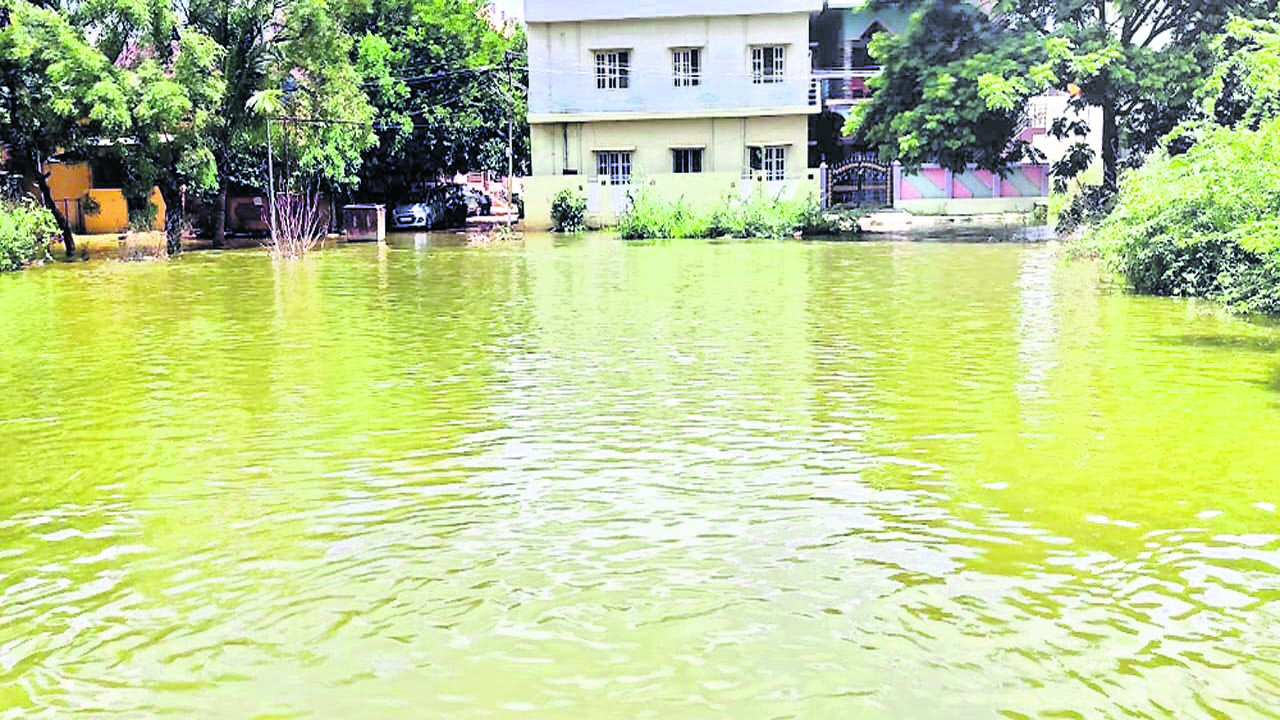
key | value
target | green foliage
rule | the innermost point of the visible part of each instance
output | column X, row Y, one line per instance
column 759, row 216
column 143, row 219
column 89, row 206
column 955, row 82
column 173, row 110
column 436, row 74
column 1245, row 86
column 569, row 212
column 59, row 93
column 1087, row 207
column 952, row 90
column 1205, row 223
column 25, row 232
column 312, row 63
column 649, row 218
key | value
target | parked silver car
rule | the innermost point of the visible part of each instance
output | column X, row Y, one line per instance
column 435, row 208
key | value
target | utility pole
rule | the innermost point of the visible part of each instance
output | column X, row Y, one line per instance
column 271, row 181
column 511, row 142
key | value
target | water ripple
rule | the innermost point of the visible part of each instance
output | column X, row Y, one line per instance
column 580, row 478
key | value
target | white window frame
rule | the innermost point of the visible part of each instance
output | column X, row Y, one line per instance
column 768, row 70
column 686, row 67
column 613, row 69
column 689, row 154
column 773, row 161
column 1038, row 114
column 614, row 166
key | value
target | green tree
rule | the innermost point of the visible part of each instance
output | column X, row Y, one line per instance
column 194, row 70
column 59, row 95
column 1245, row 86
column 952, row 90
column 331, row 122
column 245, row 31
column 1139, row 61
column 445, row 83
column 173, row 109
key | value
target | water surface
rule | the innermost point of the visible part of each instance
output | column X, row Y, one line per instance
column 581, row 478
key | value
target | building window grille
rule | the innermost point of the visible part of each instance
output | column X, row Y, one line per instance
column 1038, row 115
column 770, row 161
column 686, row 65
column 614, row 167
column 613, row 69
column 686, row 160
column 768, row 64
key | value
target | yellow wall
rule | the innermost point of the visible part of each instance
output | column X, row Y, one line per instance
column 724, row 142
column 70, row 182
column 700, row 192
column 557, row 146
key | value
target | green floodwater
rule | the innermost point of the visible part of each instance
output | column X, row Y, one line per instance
column 576, row 478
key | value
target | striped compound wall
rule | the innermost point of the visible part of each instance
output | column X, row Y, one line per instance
column 936, row 183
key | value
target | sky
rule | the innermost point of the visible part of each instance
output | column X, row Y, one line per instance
column 513, row 8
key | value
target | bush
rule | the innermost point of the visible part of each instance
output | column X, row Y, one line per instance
column 1203, row 224
column 25, row 231
column 649, row 218
column 89, row 206
column 568, row 212
column 1090, row 206
column 143, row 219
column 757, row 217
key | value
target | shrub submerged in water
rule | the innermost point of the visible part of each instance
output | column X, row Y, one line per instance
column 756, row 217
column 25, row 231
column 1203, row 224
column 568, row 212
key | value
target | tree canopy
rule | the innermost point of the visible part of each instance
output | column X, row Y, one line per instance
column 361, row 95
column 59, row 94
column 1141, row 62
column 443, row 82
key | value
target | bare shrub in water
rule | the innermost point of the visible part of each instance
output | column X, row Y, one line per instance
column 497, row 235
column 140, row 246
column 299, row 226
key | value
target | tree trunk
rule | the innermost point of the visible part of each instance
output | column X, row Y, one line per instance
column 46, row 196
column 172, row 218
column 1110, row 131
column 220, row 215
column 1110, row 144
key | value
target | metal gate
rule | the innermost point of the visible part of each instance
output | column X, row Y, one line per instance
column 860, row 181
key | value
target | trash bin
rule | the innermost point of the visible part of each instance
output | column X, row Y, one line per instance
column 364, row 222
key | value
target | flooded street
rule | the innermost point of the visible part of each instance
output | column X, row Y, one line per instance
column 575, row 477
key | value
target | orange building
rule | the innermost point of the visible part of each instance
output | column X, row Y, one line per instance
column 91, row 196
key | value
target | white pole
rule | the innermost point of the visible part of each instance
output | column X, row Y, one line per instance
column 511, row 153
column 271, row 182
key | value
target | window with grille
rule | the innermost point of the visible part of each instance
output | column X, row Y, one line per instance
column 613, row 69
column 770, row 160
column 1038, row 115
column 686, row 65
column 768, row 64
column 614, row 166
column 686, row 160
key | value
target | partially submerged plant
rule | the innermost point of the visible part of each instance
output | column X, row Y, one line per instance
column 569, row 212
column 299, row 226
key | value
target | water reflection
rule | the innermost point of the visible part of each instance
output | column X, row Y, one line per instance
column 572, row 476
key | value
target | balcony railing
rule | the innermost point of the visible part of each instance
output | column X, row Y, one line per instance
column 557, row 93
column 844, row 86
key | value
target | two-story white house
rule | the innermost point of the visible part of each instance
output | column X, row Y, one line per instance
column 697, row 99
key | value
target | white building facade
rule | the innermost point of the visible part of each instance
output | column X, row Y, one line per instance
column 699, row 101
